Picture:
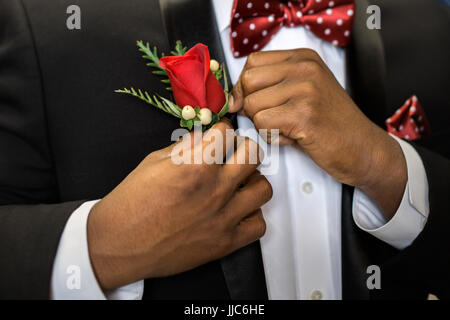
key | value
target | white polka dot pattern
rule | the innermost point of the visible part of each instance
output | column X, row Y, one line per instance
column 255, row 22
column 409, row 122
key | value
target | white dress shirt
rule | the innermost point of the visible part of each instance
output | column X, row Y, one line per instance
column 301, row 249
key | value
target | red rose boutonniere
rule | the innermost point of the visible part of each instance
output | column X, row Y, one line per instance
column 194, row 82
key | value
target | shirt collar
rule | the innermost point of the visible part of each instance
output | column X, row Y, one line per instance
column 223, row 9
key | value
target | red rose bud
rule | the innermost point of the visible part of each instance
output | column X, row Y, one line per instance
column 192, row 81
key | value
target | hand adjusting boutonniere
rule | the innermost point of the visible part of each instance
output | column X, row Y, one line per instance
column 194, row 81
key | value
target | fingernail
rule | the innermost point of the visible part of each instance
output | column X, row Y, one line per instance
column 230, row 100
column 225, row 119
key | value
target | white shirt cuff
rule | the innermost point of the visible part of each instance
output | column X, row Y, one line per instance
column 412, row 213
column 73, row 277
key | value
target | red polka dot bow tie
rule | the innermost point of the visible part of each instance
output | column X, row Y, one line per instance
column 255, row 22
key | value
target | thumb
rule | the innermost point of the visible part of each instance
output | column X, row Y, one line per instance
column 236, row 98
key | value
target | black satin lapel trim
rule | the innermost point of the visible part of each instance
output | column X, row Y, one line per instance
column 354, row 254
column 244, row 273
column 193, row 21
column 366, row 67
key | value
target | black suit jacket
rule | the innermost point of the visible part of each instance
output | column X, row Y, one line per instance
column 65, row 137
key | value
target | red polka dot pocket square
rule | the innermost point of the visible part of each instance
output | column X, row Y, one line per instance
column 409, row 122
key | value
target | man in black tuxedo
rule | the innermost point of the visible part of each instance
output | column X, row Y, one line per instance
column 66, row 139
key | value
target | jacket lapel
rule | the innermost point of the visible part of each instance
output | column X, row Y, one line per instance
column 193, row 21
column 367, row 74
column 366, row 67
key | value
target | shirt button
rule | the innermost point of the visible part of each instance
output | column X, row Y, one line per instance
column 307, row 187
column 316, row 295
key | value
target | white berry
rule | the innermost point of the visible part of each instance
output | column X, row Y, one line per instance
column 188, row 113
column 214, row 65
column 205, row 116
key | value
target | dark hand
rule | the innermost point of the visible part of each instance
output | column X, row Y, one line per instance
column 166, row 218
column 295, row 92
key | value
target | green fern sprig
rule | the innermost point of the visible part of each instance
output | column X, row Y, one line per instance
column 179, row 49
column 152, row 56
column 156, row 101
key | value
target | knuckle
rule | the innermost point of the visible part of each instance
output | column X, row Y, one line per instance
column 260, row 119
column 201, row 173
column 309, row 67
column 307, row 115
column 150, row 157
column 252, row 59
column 260, row 228
column 194, row 174
column 246, row 80
column 248, row 103
column 202, row 170
column 208, row 170
column 155, row 155
column 267, row 191
column 220, row 193
column 310, row 53
column 302, row 54
column 219, row 127
column 307, row 112
column 309, row 89
column 293, row 126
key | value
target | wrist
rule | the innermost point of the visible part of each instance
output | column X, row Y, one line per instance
column 105, row 255
column 387, row 175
